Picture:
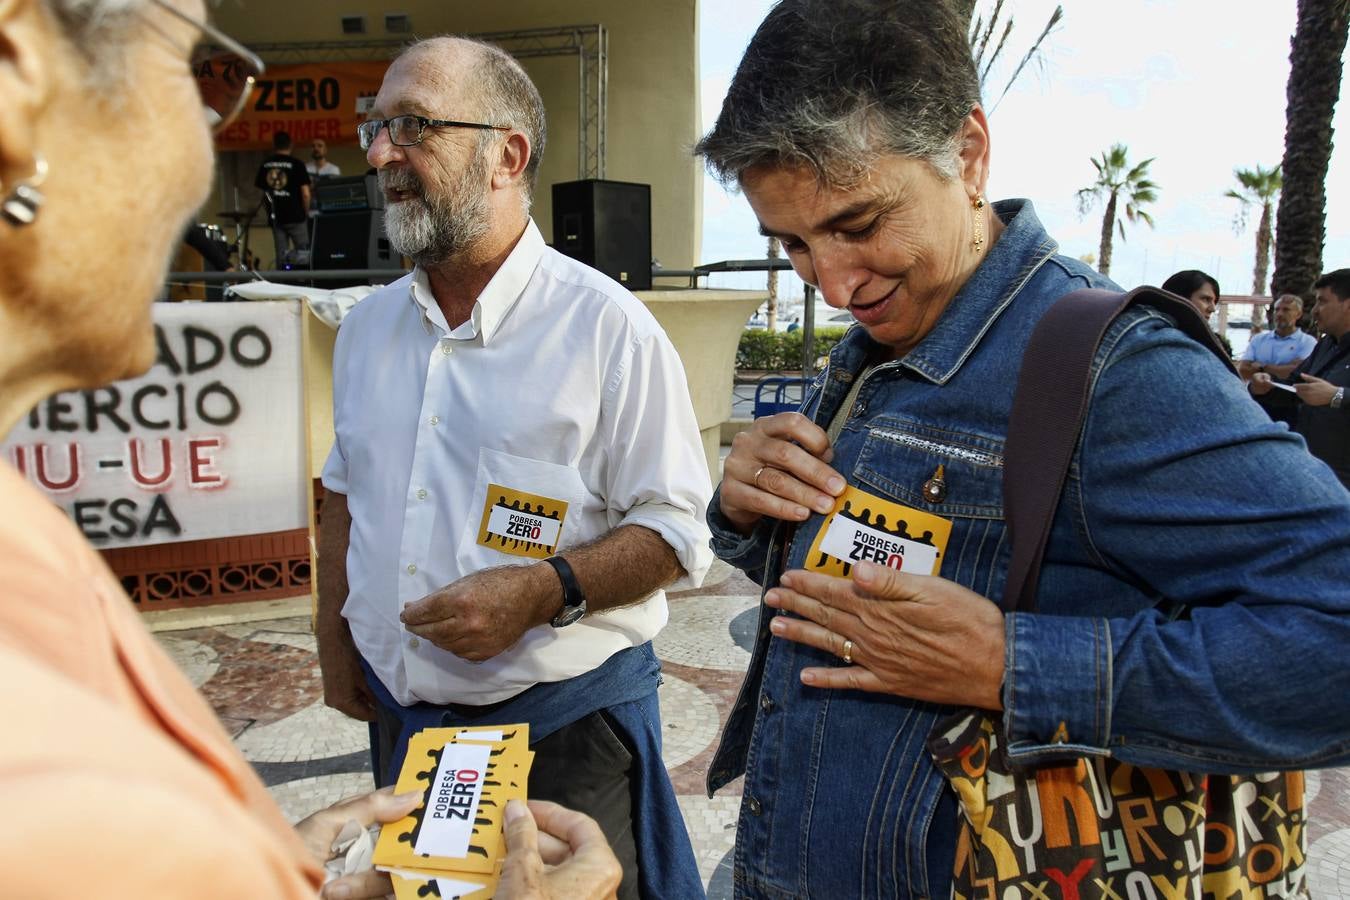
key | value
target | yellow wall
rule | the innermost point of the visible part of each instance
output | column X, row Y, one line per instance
column 653, row 115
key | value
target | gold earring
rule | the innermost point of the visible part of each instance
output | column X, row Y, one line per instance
column 977, row 207
column 20, row 207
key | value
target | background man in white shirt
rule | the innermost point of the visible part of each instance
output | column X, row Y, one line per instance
column 517, row 472
column 1279, row 352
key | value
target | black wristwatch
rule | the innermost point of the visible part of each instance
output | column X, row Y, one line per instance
column 574, row 600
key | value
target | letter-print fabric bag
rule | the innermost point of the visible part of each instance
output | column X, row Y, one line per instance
column 1094, row 827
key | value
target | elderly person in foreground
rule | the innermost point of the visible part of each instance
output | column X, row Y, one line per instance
column 1172, row 630
column 116, row 780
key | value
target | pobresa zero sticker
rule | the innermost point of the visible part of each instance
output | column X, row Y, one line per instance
column 867, row 528
column 521, row 524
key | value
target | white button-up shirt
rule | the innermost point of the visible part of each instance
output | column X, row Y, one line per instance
column 563, row 394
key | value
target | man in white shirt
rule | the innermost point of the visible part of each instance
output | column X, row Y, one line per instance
column 319, row 166
column 1278, row 353
column 517, row 472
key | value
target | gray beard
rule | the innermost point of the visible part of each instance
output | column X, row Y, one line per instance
column 432, row 231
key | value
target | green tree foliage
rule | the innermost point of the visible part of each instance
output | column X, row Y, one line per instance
column 1257, row 187
column 1118, row 182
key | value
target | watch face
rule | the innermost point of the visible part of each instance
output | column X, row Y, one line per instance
column 569, row 615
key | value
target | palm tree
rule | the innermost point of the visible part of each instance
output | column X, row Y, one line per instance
column 771, row 313
column 982, row 31
column 1117, row 180
column 1259, row 188
column 1312, row 91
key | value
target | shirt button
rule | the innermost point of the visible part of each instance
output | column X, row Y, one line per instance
column 446, row 348
column 412, row 569
column 421, row 495
column 435, row 420
column 765, row 703
column 413, row 643
column 753, row 805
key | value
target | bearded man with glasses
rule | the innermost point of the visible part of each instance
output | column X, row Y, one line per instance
column 517, row 472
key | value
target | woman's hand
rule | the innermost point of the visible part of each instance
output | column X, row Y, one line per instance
column 554, row 853
column 912, row 635
column 321, row 829
column 779, row 468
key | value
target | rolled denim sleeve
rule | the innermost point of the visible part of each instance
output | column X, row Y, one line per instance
column 746, row 552
column 1202, row 620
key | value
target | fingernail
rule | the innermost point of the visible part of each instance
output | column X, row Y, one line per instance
column 408, row 795
column 808, row 677
column 785, row 579
column 515, row 811
column 801, row 512
column 824, row 504
column 865, row 572
column 771, row 599
column 337, row 892
column 777, row 626
column 835, row 484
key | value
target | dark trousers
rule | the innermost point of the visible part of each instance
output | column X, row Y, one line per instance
column 583, row 766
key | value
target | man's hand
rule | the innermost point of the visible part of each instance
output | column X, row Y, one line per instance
column 321, row 829
column 912, row 635
column 1260, row 384
column 553, row 853
column 779, row 468
column 480, row 615
column 1314, row 391
column 344, row 684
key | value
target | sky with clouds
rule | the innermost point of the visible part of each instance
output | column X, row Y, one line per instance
column 1197, row 84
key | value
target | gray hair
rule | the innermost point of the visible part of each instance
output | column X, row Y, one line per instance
column 832, row 85
column 505, row 96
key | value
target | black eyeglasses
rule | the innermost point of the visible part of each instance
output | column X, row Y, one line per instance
column 405, row 131
column 226, row 70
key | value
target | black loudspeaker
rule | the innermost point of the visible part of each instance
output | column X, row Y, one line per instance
column 608, row 226
column 352, row 240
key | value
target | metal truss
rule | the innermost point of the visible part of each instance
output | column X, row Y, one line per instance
column 589, row 43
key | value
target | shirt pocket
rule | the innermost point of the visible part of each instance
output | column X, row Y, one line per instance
column 522, row 510
column 900, row 456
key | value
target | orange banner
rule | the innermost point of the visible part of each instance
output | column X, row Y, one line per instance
column 314, row 100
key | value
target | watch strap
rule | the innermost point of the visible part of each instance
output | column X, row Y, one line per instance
column 574, row 599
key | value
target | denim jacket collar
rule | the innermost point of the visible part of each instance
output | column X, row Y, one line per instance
column 1022, row 248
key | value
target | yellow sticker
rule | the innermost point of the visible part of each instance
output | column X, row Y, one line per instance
column 521, row 524
column 864, row 527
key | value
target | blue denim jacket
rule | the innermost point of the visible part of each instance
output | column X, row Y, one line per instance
column 1193, row 605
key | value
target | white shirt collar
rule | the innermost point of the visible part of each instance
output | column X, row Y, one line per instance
column 497, row 298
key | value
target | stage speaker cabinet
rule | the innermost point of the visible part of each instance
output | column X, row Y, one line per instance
column 608, row 226
column 352, row 240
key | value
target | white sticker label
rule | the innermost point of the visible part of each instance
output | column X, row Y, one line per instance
column 452, row 805
column 523, row 526
column 850, row 542
column 480, row 736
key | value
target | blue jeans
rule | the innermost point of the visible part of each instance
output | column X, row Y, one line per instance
column 624, row 688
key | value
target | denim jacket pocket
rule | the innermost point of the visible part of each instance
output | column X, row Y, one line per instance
column 953, row 474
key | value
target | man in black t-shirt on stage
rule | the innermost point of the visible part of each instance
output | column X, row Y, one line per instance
column 285, row 183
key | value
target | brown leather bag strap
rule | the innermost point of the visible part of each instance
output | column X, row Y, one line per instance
column 1048, row 412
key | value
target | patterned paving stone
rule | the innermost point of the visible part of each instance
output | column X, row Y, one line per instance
column 697, row 633
column 1329, row 865
column 315, row 732
column 198, row 661
column 712, row 829
column 688, row 721
column 298, row 799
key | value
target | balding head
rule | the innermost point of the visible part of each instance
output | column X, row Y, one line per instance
column 480, row 82
column 1294, row 299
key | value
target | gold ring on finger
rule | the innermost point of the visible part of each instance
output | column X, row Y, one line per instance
column 759, row 472
column 846, row 652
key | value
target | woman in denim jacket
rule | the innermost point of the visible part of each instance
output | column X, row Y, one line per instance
column 855, row 130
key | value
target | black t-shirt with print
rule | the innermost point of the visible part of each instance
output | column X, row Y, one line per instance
column 280, row 177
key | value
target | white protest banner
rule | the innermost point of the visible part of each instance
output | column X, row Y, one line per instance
column 209, row 443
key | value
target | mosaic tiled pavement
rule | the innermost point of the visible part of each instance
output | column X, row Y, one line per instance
column 263, row 680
